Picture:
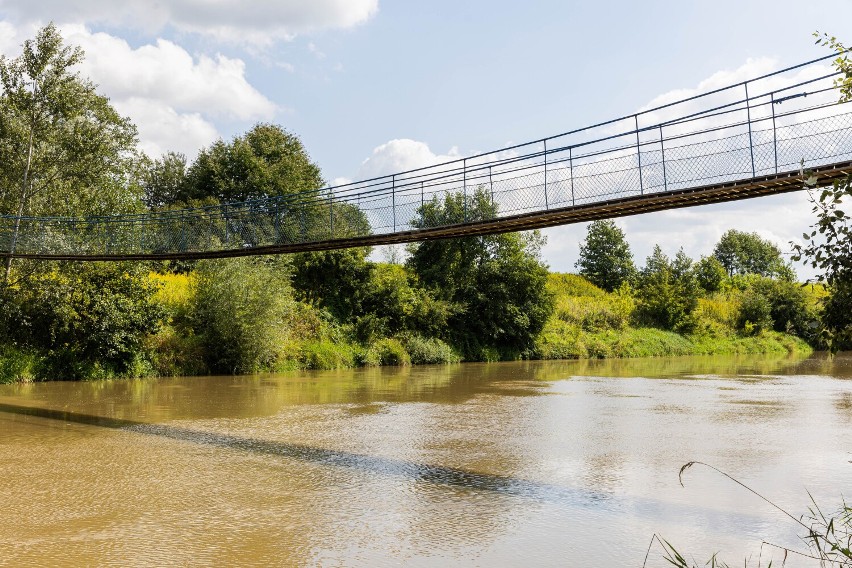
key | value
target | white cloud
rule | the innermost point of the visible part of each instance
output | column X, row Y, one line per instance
column 163, row 129
column 400, row 155
column 168, row 73
column 231, row 20
column 340, row 181
column 173, row 97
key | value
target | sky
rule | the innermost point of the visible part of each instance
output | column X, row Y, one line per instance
column 377, row 86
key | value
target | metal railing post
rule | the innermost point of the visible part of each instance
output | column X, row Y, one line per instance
column 277, row 229
column 571, row 173
column 639, row 155
column 750, row 140
column 546, row 204
column 331, row 214
column 227, row 229
column 663, row 153
column 393, row 200
column 464, row 187
column 491, row 184
column 422, row 199
column 774, row 133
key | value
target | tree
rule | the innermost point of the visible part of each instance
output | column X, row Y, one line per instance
column 63, row 149
column 242, row 308
column 89, row 319
column 496, row 282
column 667, row 292
column 164, row 180
column 748, row 253
column 334, row 280
column 710, row 273
column 605, row 257
column 828, row 247
column 266, row 161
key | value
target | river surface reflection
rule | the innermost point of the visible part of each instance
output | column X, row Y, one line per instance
column 509, row 464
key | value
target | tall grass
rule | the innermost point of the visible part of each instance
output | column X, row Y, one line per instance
column 828, row 537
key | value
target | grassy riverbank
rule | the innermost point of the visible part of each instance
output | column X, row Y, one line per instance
column 590, row 323
column 586, row 323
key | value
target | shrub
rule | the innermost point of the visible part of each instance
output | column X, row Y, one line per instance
column 429, row 351
column 755, row 314
column 89, row 319
column 241, row 309
column 326, row 355
column 667, row 292
column 174, row 353
column 387, row 351
column 18, row 366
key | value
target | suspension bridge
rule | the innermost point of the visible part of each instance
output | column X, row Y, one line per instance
column 745, row 140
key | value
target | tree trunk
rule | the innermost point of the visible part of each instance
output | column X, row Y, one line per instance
column 21, row 204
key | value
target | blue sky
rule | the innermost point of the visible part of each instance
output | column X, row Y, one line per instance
column 371, row 85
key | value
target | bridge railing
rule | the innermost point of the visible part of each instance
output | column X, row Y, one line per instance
column 769, row 124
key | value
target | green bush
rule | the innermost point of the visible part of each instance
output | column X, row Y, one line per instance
column 755, row 314
column 572, row 285
column 326, row 355
column 387, row 351
column 88, row 320
column 175, row 353
column 788, row 305
column 19, row 366
column 429, row 351
column 667, row 293
column 559, row 340
column 242, row 307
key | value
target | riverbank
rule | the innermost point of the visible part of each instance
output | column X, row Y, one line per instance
column 586, row 323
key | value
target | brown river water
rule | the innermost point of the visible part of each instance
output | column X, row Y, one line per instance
column 507, row 464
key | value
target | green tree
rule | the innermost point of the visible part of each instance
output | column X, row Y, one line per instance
column 788, row 305
column 828, row 250
column 89, row 319
column 747, row 253
column 242, row 307
column 667, row 292
column 710, row 273
column 841, row 63
column 63, row 149
column 605, row 257
column 828, row 247
column 164, row 180
column 755, row 313
column 334, row 280
column 394, row 303
column 496, row 282
column 266, row 161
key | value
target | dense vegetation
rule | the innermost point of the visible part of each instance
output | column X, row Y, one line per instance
column 65, row 150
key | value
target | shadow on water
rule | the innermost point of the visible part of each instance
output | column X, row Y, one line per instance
column 577, row 498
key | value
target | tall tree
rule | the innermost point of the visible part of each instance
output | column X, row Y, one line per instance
column 828, row 247
column 266, row 161
column 667, row 291
column 605, row 257
column 164, row 180
column 496, row 282
column 63, row 149
column 748, row 253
